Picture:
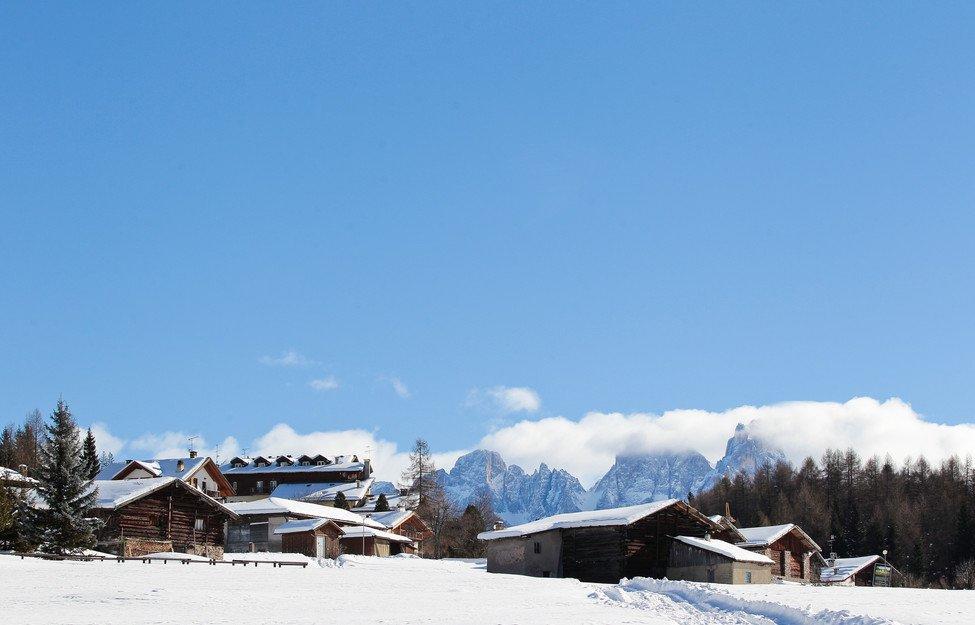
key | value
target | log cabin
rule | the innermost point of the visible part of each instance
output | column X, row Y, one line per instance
column 158, row 514
column 596, row 546
column 315, row 538
column 405, row 523
column 200, row 472
column 369, row 541
column 256, row 527
column 257, row 477
column 795, row 555
column 715, row 561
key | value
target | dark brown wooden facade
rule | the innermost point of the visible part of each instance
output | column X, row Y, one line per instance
column 306, row 543
column 608, row 554
column 262, row 483
column 176, row 514
column 413, row 527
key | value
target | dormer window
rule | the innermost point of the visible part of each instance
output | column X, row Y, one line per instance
column 320, row 463
column 305, row 463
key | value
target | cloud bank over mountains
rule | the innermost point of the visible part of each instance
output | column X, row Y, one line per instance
column 588, row 446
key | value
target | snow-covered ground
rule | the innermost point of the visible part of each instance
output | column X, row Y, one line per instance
column 411, row 591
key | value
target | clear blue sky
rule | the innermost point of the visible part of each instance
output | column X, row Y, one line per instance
column 624, row 206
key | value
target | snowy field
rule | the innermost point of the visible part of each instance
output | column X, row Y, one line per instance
column 409, row 590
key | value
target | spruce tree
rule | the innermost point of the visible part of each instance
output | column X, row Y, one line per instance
column 382, row 504
column 90, row 463
column 64, row 488
column 340, row 501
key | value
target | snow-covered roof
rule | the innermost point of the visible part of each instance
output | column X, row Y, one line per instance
column 392, row 518
column 394, row 501
column 343, row 463
column 277, row 505
column 323, row 491
column 360, row 532
column 301, row 525
column 110, row 469
column 589, row 518
column 14, row 476
column 763, row 536
column 727, row 550
column 113, row 494
column 844, row 568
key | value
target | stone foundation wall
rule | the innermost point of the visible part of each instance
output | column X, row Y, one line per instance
column 135, row 547
column 214, row 552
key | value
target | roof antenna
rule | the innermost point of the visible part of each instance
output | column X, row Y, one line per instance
column 192, row 446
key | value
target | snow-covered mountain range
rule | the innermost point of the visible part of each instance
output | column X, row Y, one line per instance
column 518, row 496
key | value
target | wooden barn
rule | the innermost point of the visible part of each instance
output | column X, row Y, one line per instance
column 795, row 556
column 716, row 561
column 315, row 538
column 369, row 541
column 863, row 571
column 405, row 523
column 598, row 545
column 159, row 514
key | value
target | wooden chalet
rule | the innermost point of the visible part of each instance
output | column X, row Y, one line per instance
column 405, row 523
column 598, row 545
column 795, row 555
column 314, row 478
column 200, row 472
column 716, row 561
column 862, row 571
column 159, row 514
column 315, row 538
column 370, row 541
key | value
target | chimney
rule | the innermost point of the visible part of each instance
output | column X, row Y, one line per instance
column 707, row 536
column 192, row 454
column 22, row 469
column 180, row 466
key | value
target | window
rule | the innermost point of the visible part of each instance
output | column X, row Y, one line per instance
column 233, row 485
column 538, row 547
column 546, row 573
column 198, row 525
column 196, row 483
column 273, row 484
column 259, row 487
column 748, row 577
column 710, row 576
column 305, row 463
column 320, row 463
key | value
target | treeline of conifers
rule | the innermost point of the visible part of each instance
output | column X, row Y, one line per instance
column 922, row 515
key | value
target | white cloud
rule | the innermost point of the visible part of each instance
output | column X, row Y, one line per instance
column 176, row 445
column 104, row 440
column 288, row 358
column 587, row 447
column 328, row 383
column 400, row 387
column 387, row 459
column 506, row 399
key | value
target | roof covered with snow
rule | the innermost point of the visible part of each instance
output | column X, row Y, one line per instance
column 323, row 491
column 722, row 548
column 290, row 464
column 844, row 568
column 763, row 536
column 277, row 505
column 113, row 494
column 366, row 532
column 14, row 476
column 392, row 518
column 301, row 525
column 589, row 518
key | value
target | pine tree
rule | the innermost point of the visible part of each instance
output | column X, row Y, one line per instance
column 64, row 488
column 90, row 463
column 7, row 451
column 382, row 504
column 340, row 501
column 7, row 506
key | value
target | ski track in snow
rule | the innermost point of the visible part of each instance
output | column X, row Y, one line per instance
column 707, row 603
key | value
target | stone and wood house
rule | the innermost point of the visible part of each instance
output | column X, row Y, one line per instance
column 200, row 472
column 716, row 561
column 795, row 556
column 309, row 478
column 598, row 545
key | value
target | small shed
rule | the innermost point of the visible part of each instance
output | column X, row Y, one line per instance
column 597, row 545
column 862, row 571
column 315, row 538
column 370, row 541
column 405, row 523
column 795, row 556
column 716, row 561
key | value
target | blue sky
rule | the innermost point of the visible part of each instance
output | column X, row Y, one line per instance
column 622, row 207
